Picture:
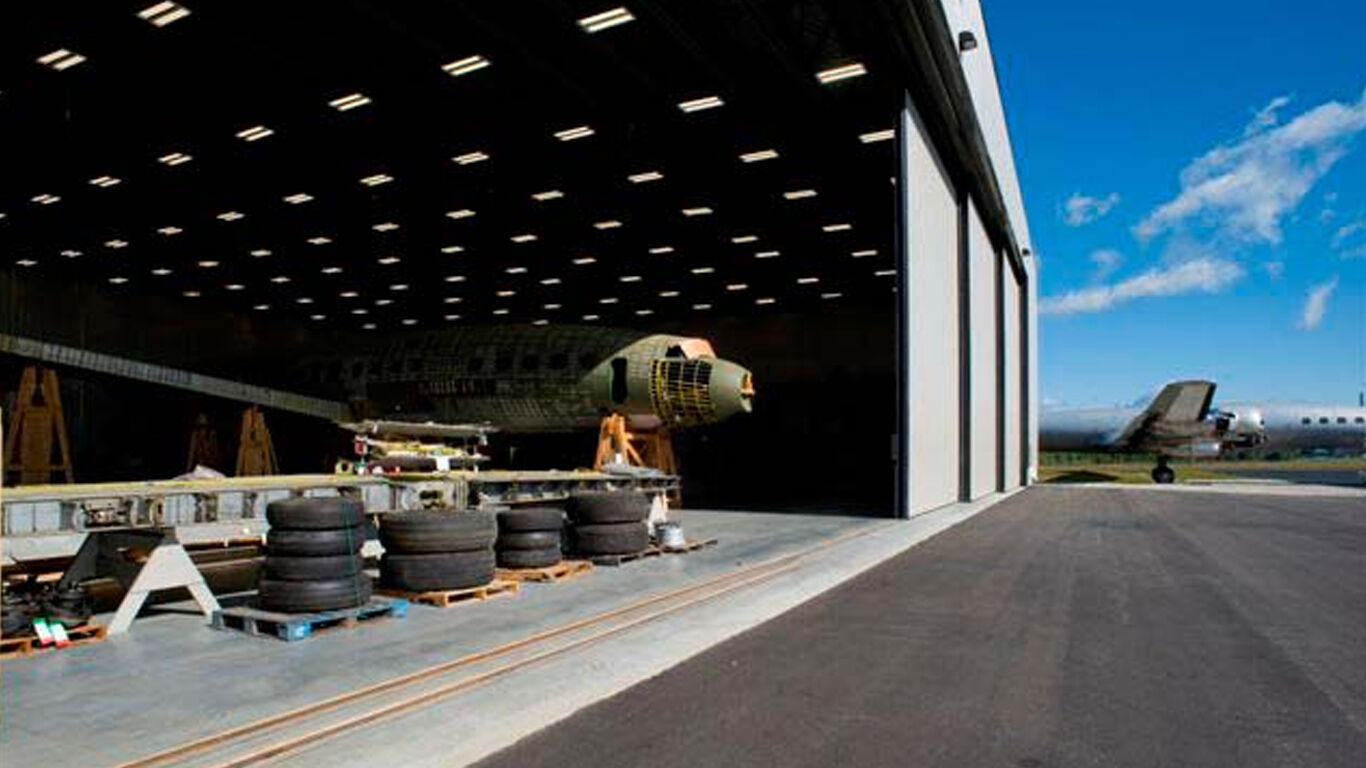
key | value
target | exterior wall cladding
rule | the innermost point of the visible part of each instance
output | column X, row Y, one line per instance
column 969, row 350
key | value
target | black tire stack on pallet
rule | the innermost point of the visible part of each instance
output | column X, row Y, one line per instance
column 530, row 537
column 437, row 551
column 610, row 522
column 313, row 560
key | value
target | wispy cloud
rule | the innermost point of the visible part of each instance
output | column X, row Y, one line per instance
column 1079, row 209
column 1274, row 269
column 1106, row 261
column 1346, row 231
column 1242, row 190
column 1316, row 305
column 1205, row 275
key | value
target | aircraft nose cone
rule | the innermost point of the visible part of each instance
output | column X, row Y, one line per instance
column 732, row 389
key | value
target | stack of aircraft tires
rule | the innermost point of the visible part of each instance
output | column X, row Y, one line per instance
column 435, row 551
column 530, row 537
column 313, row 560
column 609, row 522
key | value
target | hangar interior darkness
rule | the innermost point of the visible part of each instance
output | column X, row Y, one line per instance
column 252, row 183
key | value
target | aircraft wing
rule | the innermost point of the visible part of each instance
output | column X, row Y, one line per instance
column 1180, row 406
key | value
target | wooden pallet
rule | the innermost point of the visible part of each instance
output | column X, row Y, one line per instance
column 449, row 597
column 298, row 626
column 615, row 560
column 13, row 647
column 691, row 545
column 565, row 569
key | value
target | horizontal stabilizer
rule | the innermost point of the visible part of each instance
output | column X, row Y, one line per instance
column 1181, row 403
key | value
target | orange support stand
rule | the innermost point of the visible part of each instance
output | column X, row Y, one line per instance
column 255, row 451
column 653, row 449
column 36, row 421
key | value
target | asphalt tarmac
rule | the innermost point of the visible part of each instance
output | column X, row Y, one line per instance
column 1064, row 627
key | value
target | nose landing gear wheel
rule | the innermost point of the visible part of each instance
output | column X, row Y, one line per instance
column 1164, row 475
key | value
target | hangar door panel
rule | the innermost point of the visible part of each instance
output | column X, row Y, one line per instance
column 982, row 356
column 1011, row 308
column 932, row 314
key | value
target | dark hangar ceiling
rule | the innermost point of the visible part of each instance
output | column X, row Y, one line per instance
column 390, row 164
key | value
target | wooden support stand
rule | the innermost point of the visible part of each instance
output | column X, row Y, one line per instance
column 36, row 424
column 653, row 449
column 255, row 451
column 203, row 445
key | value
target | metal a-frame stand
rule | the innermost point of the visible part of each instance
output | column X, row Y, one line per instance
column 37, row 422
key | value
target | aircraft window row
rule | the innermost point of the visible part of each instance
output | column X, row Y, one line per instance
column 1340, row 420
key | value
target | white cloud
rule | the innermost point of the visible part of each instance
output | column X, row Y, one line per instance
column 1316, row 305
column 1106, row 261
column 1206, row 275
column 1266, row 116
column 1080, row 209
column 1243, row 189
column 1274, row 269
column 1346, row 231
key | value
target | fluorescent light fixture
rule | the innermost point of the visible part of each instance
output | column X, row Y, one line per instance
column 332, row 270
column 643, row 312
column 875, row 136
column 70, row 254
column 606, row 20
column 570, row 134
column 549, row 194
column 703, row 270
column 230, row 216
column 465, row 66
column 409, row 321
column 701, row 306
column 260, row 252
column 885, row 272
column 764, row 301
column 551, row 281
column 608, row 300
column 235, row 287
column 582, row 260
column 542, row 321
column 551, row 307
column 843, row 72
column 317, row 317
column 161, row 14
column 255, row 134
column 463, row 213
column 470, row 158
column 698, row 211
column 668, row 294
column 348, row 294
column 452, row 300
column 369, row 326
column 609, row 224
column 377, row 179
column 262, row 307
column 298, row 197
column 303, row 300
column 190, row 294
column 385, row 261
column 762, row 154
column 452, row 317
column 808, row 280
column 385, row 226
column 589, row 318
column 360, row 311
column 116, row 244
column 744, row 239
column 737, row 287
column 61, row 59
column 863, row 254
column 208, row 264
column 161, row 271
column 383, row 302
column 767, row 254
column 697, row 105
column 349, row 101
column 630, row 278
column 319, row 240
column 837, row 227
column 506, row 294
column 644, row 176
column 526, row 238
column 45, row 199
column 799, row 194
column 515, row 270
column 169, row 231
column 452, row 249
column 455, row 278
column 118, row 280
column 662, row 249
column 26, row 263
column 105, row 181
column 280, row 279
column 175, row 158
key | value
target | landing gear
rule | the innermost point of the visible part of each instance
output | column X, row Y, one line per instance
column 1163, row 474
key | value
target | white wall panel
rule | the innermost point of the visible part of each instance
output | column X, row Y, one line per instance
column 982, row 346
column 1013, row 411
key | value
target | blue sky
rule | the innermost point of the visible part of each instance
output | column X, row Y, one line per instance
column 1195, row 177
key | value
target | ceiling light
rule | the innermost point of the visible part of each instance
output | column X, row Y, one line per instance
column 255, row 134
column 465, row 66
column 105, row 181
column 590, row 318
column 540, row 322
column 175, row 158
column 515, row 270
column 348, row 294
column 763, row 301
column 452, row 317
column 641, row 178
column 61, row 59
column 360, row 311
column 369, row 326
column 470, row 157
column 885, row 272
column 703, row 270
column 163, row 13
column 260, row 252
column 409, row 321
column 744, row 239
column 161, row 271
column 569, row 134
column 317, row 317
column 169, row 231
column 643, row 312
column 767, row 254
column 452, row 300
column 26, row 263
column 799, row 194
column 837, row 227
column 527, row 238
column 387, row 226
column 261, row 307
column 383, row 302
column 377, row 179
column 874, row 136
column 235, row 287
column 861, row 254
column 319, row 240
column 668, row 294
column 45, row 199
column 701, row 306
column 332, row 270
column 506, row 294
column 70, row 254
column 455, row 278
column 737, row 287
column 399, row 287
column 551, row 281
column 606, row 20
column 348, row 102
column 116, row 244
column 699, row 211
column 280, row 279
column 298, row 197
column 190, row 294
column 500, row 311
column 230, row 216
column 208, row 264
column 629, row 278
column 463, row 213
column 549, row 194
column 835, row 295
column 807, row 280
column 118, row 280
column 662, row 249
column 551, row 307
column 452, row 249
column 697, row 105
column 582, row 260
column 609, row 224
column 843, row 72
column 608, row 300
column 303, row 300
column 763, row 154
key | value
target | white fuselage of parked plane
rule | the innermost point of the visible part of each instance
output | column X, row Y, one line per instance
column 1306, row 427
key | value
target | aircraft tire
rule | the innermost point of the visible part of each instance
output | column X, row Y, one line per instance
column 441, row 531
column 308, row 596
column 607, row 507
column 313, row 514
column 325, row 567
column 437, row 571
column 1164, row 475
column 528, row 540
column 529, row 558
column 315, row 543
column 611, row 539
column 529, row 519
